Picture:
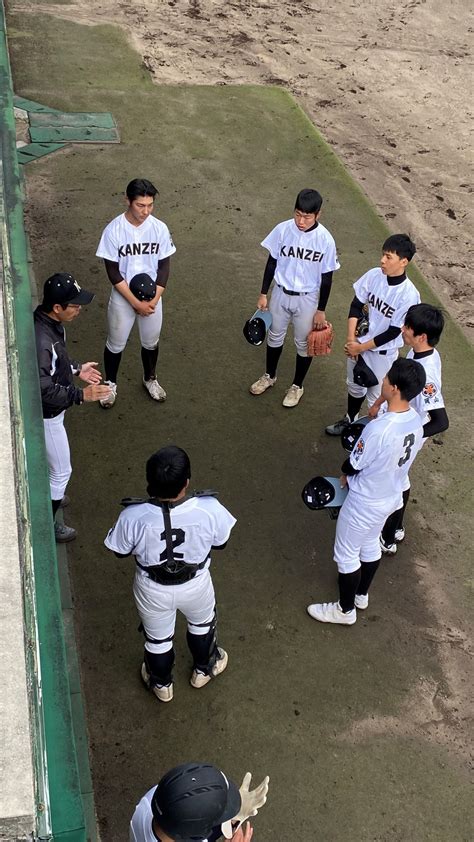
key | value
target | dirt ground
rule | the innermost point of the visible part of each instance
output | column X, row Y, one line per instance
column 386, row 82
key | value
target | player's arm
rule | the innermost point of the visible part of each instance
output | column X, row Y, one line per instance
column 319, row 319
column 161, row 279
column 381, row 339
column 438, row 423
column 268, row 275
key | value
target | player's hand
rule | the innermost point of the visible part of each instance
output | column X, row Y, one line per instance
column 243, row 834
column 262, row 303
column 89, row 373
column 319, row 320
column 96, row 392
column 144, row 308
column 352, row 348
column 343, row 480
column 373, row 411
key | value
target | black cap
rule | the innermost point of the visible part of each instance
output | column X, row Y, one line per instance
column 143, row 287
column 192, row 799
column 62, row 288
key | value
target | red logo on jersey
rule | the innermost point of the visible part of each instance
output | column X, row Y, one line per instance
column 359, row 448
column 430, row 390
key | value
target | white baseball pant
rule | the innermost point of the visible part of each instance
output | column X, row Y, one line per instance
column 58, row 455
column 380, row 364
column 157, row 606
column 298, row 309
column 358, row 529
column 121, row 317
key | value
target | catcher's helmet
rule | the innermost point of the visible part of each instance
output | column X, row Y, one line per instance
column 352, row 432
column 255, row 328
column 192, row 799
column 143, row 287
column 324, row 493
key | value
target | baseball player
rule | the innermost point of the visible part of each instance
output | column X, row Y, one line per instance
column 302, row 259
column 387, row 294
column 421, row 332
column 135, row 243
column 375, row 473
column 196, row 801
column 62, row 301
column 171, row 536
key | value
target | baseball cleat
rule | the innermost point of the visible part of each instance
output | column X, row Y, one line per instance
column 63, row 533
column 293, row 396
column 154, row 389
column 399, row 535
column 262, row 384
column 107, row 403
column 164, row 694
column 338, row 428
column 387, row 549
column 200, row 679
column 331, row 612
column 361, row 600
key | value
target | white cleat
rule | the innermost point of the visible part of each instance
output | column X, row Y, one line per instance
column 262, row 384
column 361, row 601
column 164, row 694
column 154, row 389
column 108, row 402
column 399, row 535
column 200, row 679
column 387, row 549
column 293, row 395
column 331, row 612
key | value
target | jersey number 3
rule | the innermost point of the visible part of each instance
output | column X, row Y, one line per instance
column 178, row 539
column 408, row 443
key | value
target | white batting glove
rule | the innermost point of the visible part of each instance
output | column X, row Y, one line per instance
column 251, row 801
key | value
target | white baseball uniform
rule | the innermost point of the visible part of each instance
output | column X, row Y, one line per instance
column 382, row 455
column 141, row 823
column 387, row 305
column 430, row 397
column 137, row 249
column 302, row 258
column 198, row 524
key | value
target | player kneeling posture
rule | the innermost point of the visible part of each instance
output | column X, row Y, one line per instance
column 135, row 243
column 302, row 260
column 421, row 332
column 171, row 536
column 387, row 293
column 375, row 473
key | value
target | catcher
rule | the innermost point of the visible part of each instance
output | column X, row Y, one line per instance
column 302, row 259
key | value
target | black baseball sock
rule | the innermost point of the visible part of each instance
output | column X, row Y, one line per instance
column 111, row 365
column 149, row 359
column 273, row 355
column 348, row 587
column 301, row 369
column 369, row 569
column 395, row 521
column 353, row 406
column 55, row 504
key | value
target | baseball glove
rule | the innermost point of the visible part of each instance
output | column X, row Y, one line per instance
column 362, row 327
column 320, row 341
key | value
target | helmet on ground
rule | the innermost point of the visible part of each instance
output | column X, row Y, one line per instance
column 351, row 433
column 324, row 493
column 143, row 287
column 255, row 328
column 192, row 799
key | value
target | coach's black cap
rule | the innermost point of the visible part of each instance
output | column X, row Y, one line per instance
column 62, row 288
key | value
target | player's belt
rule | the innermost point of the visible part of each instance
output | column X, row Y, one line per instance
column 160, row 574
column 291, row 292
column 382, row 353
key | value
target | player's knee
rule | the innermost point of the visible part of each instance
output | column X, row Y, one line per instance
column 158, row 647
column 345, row 565
column 115, row 347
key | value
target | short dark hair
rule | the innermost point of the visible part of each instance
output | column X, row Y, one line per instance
column 408, row 376
column 308, row 201
column 140, row 187
column 400, row 244
column 424, row 318
column 167, row 472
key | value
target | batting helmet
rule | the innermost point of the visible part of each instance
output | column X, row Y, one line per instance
column 192, row 799
column 351, row 433
column 143, row 287
column 324, row 493
column 255, row 328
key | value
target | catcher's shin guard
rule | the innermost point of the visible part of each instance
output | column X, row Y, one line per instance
column 160, row 667
column 203, row 647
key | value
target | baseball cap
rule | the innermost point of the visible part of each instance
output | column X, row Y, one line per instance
column 143, row 287
column 62, row 288
column 192, row 799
